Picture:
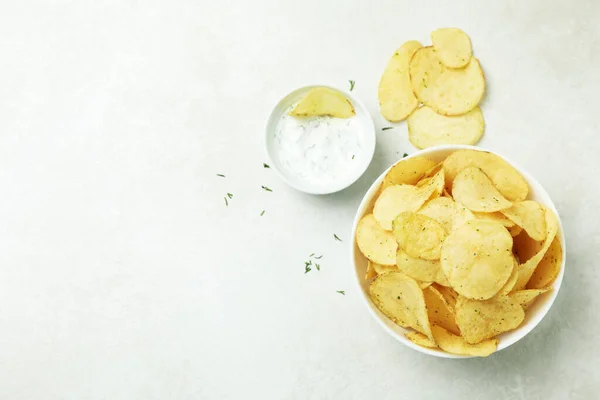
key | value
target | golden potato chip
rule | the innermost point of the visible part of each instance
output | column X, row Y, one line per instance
column 376, row 244
column 527, row 268
column 506, row 179
column 453, row 47
column 420, row 339
column 433, row 186
column 395, row 200
column 496, row 217
column 401, row 299
column 407, row 171
column 456, row 345
column 525, row 298
column 423, row 284
column 479, row 320
column 449, row 294
column 477, row 258
column 382, row 269
column 447, row 91
column 418, row 268
column 514, row 230
column 371, row 273
column 512, row 280
column 323, row 101
column 525, row 247
column 439, row 311
column 475, row 190
column 418, row 235
column 426, row 128
column 548, row 268
column 396, row 98
column 529, row 215
column 447, row 212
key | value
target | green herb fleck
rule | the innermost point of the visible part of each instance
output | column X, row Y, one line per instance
column 266, row 188
column 318, row 266
column 405, row 155
column 312, row 254
column 307, row 269
column 262, row 213
column 221, row 175
column 226, row 202
column 352, row 85
column 353, row 156
column 341, row 292
column 319, row 257
column 336, row 237
column 387, row 127
column 266, row 165
column 230, row 195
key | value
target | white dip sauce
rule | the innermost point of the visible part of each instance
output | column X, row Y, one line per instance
column 320, row 150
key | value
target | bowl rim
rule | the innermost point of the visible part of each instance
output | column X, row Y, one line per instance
column 524, row 329
column 371, row 139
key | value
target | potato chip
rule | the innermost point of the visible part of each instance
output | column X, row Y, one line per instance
column 477, row 258
column 479, row 320
column 496, row 217
column 525, row 298
column 418, row 268
column 453, row 47
column 506, row 179
column 371, row 273
column 456, row 345
column 447, row 212
column 529, row 215
column 475, row 190
column 447, row 91
column 527, row 268
column 420, row 339
column 548, row 269
column 512, row 280
column 525, row 247
column 407, row 171
column 439, row 311
column 396, row 98
column 433, row 186
column 401, row 299
column 418, row 235
column 376, row 244
column 395, row 200
column 515, row 230
column 323, row 101
column 426, row 128
column 449, row 294
column 382, row 269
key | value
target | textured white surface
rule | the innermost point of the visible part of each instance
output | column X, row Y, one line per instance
column 124, row 276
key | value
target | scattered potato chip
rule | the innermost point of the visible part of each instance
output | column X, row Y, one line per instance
column 529, row 215
column 505, row 177
column 396, row 98
column 407, row 171
column 420, row 339
column 447, row 212
column 439, row 311
column 477, row 258
column 426, row 128
column 475, row 190
column 548, row 268
column 496, row 217
column 453, row 47
column 418, row 235
column 371, row 273
column 527, row 269
column 449, row 294
column 456, row 345
column 515, row 230
column 447, row 91
column 418, row 268
column 525, row 298
column 401, row 299
column 323, row 101
column 479, row 320
column 376, row 244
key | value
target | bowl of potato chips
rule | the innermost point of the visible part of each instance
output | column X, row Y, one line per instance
column 458, row 252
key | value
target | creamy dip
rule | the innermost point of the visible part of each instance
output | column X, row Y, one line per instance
column 320, row 150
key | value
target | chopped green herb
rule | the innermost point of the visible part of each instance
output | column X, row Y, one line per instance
column 266, row 188
column 336, row 237
column 353, row 156
column 266, row 165
column 405, row 155
column 226, row 202
column 262, row 213
column 352, row 85
column 312, row 254
column 387, row 127
column 341, row 292
column 230, row 195
column 319, row 257
column 318, row 266
column 221, row 175
column 307, row 269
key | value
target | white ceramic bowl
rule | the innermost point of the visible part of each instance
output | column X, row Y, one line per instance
column 297, row 182
column 533, row 315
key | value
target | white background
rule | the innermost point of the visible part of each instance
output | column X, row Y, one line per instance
column 123, row 275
